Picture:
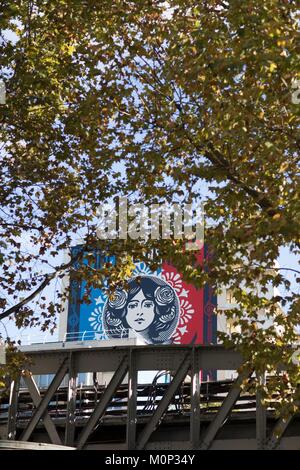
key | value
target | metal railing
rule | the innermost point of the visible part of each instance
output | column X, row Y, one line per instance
column 85, row 335
column 92, row 335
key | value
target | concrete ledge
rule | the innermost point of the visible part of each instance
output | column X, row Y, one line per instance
column 20, row 445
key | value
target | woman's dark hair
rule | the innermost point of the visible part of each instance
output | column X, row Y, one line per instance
column 166, row 310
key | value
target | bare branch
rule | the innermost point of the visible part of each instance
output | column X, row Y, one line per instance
column 48, row 278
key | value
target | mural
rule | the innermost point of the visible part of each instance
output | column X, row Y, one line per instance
column 158, row 307
column 150, row 308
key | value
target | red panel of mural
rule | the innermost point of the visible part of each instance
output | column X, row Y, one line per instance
column 189, row 328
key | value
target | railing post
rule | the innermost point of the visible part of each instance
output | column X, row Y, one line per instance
column 195, row 401
column 261, row 415
column 71, row 406
column 132, row 402
column 13, row 409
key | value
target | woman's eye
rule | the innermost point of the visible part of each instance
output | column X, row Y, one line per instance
column 132, row 306
column 148, row 304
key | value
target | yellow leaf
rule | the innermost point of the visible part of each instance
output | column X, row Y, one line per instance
column 283, row 167
column 71, row 49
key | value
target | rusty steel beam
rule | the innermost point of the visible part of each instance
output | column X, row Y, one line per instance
column 224, row 411
column 36, row 399
column 164, row 402
column 42, row 406
column 104, row 402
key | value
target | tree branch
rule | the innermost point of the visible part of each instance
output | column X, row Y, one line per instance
column 23, row 302
column 46, row 281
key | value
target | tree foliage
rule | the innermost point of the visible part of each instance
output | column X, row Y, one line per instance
column 162, row 101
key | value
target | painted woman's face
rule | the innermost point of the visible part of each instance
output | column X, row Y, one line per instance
column 140, row 312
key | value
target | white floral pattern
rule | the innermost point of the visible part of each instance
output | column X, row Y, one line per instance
column 186, row 309
column 186, row 312
column 174, row 280
column 141, row 269
column 96, row 320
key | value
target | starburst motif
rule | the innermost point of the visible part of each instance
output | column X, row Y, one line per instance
column 141, row 269
column 184, row 293
column 101, row 300
column 174, row 280
column 186, row 312
column 176, row 337
column 95, row 320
